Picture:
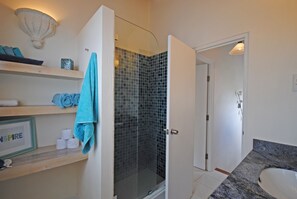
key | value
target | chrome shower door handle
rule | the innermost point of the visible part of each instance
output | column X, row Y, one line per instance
column 174, row 132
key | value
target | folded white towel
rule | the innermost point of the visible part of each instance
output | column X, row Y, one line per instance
column 10, row 102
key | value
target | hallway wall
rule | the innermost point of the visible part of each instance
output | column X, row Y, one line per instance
column 271, row 104
column 227, row 125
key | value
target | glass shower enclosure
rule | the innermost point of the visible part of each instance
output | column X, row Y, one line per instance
column 140, row 112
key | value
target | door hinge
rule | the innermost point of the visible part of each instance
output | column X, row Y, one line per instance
column 206, row 156
column 208, row 78
column 166, row 130
column 207, row 117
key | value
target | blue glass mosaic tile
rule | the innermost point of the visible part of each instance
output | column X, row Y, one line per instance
column 140, row 113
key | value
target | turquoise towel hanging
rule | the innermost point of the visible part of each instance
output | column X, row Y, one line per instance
column 87, row 111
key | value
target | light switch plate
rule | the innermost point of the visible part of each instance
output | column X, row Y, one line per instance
column 294, row 83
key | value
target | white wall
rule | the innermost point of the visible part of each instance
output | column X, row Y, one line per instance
column 272, row 106
column 98, row 37
column 39, row 91
column 59, row 183
column 59, row 46
column 226, row 135
column 72, row 15
column 134, row 38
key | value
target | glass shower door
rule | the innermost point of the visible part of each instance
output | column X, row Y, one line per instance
column 140, row 112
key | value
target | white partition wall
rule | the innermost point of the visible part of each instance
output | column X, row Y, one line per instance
column 98, row 36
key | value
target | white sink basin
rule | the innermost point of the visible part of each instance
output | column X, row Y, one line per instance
column 280, row 183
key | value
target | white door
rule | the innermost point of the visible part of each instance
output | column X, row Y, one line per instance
column 180, row 117
column 200, row 136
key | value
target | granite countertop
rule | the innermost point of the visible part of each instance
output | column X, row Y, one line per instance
column 243, row 181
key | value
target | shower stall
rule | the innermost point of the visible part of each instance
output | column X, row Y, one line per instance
column 140, row 112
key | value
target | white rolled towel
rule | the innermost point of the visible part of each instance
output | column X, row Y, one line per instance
column 9, row 102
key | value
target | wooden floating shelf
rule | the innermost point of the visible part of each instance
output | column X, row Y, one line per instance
column 34, row 110
column 42, row 159
column 34, row 70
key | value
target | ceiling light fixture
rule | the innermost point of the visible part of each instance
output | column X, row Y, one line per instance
column 238, row 49
column 36, row 24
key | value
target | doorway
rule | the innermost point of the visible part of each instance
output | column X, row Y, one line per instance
column 220, row 89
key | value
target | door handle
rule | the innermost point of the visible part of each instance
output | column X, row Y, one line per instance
column 174, row 132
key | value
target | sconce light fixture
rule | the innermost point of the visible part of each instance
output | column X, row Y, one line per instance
column 238, row 49
column 116, row 62
column 36, row 24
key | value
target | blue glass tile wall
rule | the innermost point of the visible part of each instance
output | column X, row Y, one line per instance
column 126, row 114
column 140, row 113
column 159, row 106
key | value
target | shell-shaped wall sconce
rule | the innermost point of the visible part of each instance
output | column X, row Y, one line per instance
column 36, row 24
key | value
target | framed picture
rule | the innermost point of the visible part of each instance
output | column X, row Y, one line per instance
column 17, row 136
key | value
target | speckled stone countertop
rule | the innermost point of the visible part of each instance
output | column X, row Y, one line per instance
column 243, row 181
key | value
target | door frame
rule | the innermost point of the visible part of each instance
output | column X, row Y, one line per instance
column 244, row 145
